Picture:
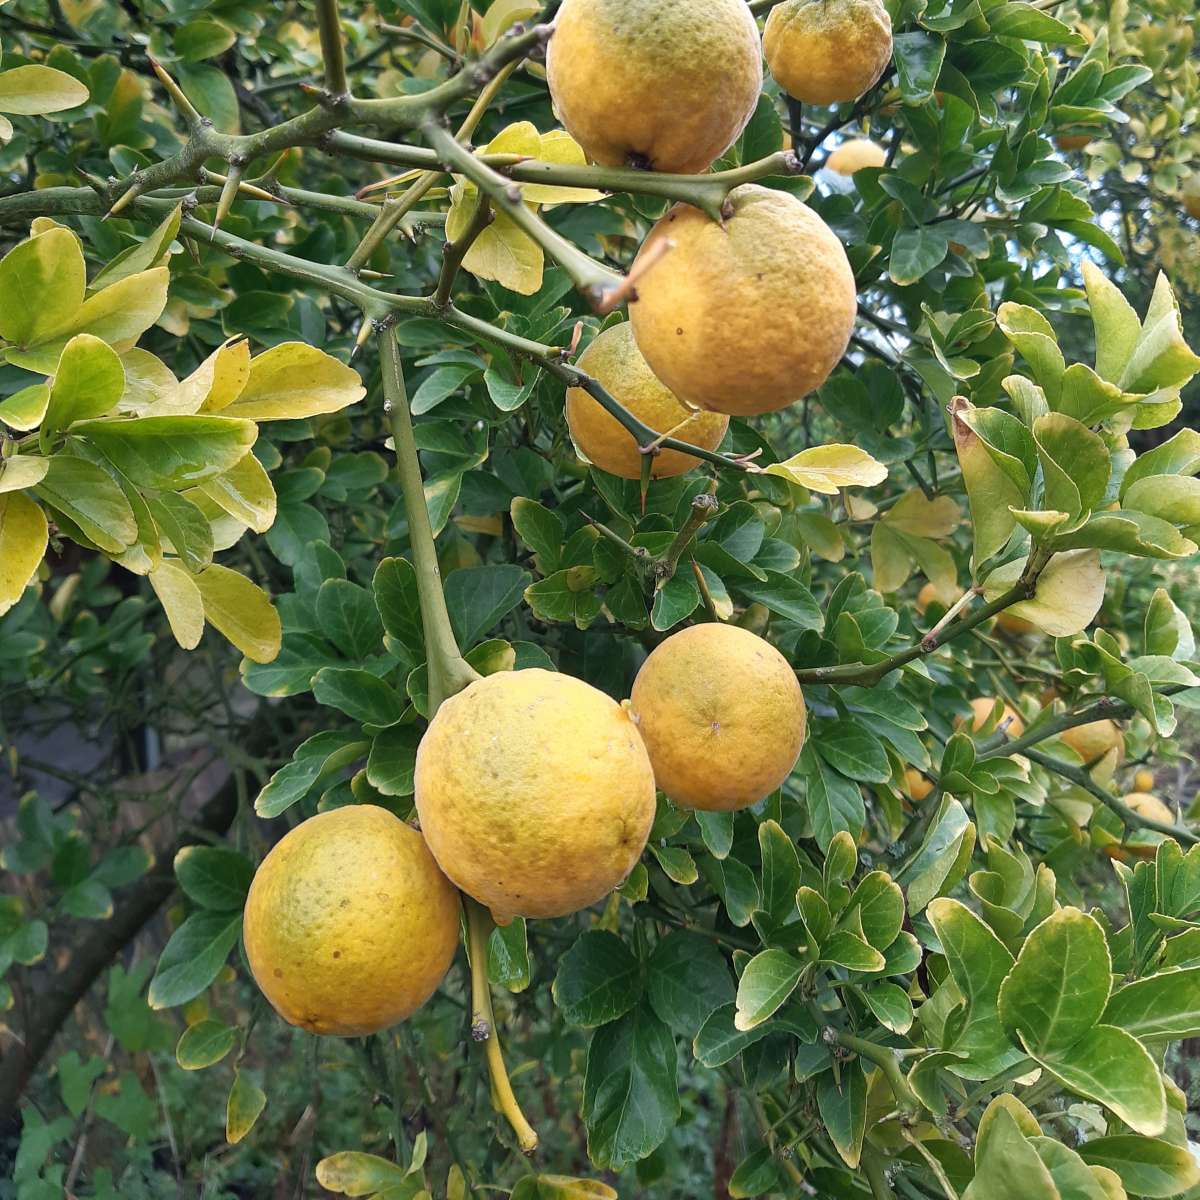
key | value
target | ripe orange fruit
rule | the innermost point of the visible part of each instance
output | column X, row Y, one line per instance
column 1094, row 740
column 1015, row 625
column 722, row 716
column 981, row 710
column 925, row 597
column 349, row 924
column 614, row 359
column 827, row 51
column 856, row 154
column 1143, row 780
column 916, row 785
column 534, row 792
column 667, row 85
column 1147, row 805
column 749, row 315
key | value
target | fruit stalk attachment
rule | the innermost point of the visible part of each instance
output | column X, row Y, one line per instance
column 483, row 1025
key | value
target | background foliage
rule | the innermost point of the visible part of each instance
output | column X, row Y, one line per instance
column 822, row 995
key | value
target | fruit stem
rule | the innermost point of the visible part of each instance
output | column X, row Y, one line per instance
column 449, row 672
column 483, row 1025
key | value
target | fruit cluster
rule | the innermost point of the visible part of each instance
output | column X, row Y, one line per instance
column 535, row 791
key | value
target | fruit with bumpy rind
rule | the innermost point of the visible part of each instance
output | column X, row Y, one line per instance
column 722, row 716
column 349, row 924
column 665, row 85
column 827, row 51
column 1095, row 739
column 534, row 793
column 749, row 315
column 855, row 155
column 616, row 362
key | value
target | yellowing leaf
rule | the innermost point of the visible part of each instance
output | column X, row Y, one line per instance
column 522, row 138
column 227, row 371
column 502, row 252
column 503, row 14
column 22, row 471
column 88, row 382
column 1069, row 592
column 25, row 409
column 241, row 611
column 558, row 146
column 245, row 492
column 246, row 1102
column 150, row 385
column 353, row 1173
column 24, row 534
column 293, row 380
column 180, row 597
column 913, row 513
column 41, row 287
column 151, row 251
column 35, row 90
column 825, row 469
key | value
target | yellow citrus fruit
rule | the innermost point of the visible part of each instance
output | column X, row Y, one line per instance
column 1147, row 805
column 925, row 597
column 1094, row 740
column 614, row 359
column 981, row 709
column 1014, row 625
column 534, row 792
column 855, row 155
column 749, row 315
column 916, row 785
column 827, row 51
column 722, row 717
column 1143, row 780
column 667, row 85
column 349, row 924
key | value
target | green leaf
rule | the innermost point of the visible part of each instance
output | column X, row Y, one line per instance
column 75, row 1079
column 630, row 1095
column 245, row 492
column 1161, row 358
column 783, row 595
column 598, row 980
column 1075, row 464
column 846, row 949
column 835, row 803
column 941, row 859
column 1166, row 1006
column 1146, row 1166
column 313, row 760
column 852, row 751
column 915, row 252
column 185, row 528
column 891, row 1006
column 978, row 963
column 879, row 903
column 1117, row 327
column 1113, row 1068
column 201, row 39
column 1034, row 337
column 719, row 1040
column 170, row 453
column 479, row 597
column 674, row 601
column 827, row 469
column 151, row 251
column 90, row 498
column 395, row 588
column 541, row 530
column 215, row 877
column 1057, row 990
column 36, row 90
column 1167, row 629
column 508, row 956
column 919, row 58
column 358, row 694
column 842, row 1103
column 88, row 382
column 193, row 957
column 755, row 1175
column 991, row 490
column 41, row 286
column 687, row 980
column 1006, row 1163
column 347, row 616
column 241, row 611
column 204, row 1044
column 24, row 536
column 1179, row 455
column 780, row 871
column 245, row 1105
column 392, row 763
column 769, row 979
column 25, row 409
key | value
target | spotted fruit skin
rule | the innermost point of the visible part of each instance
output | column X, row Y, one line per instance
column 350, row 926
column 666, row 85
column 722, row 716
column 748, row 315
column 534, row 793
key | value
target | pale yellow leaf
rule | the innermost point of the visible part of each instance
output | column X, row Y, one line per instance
column 503, row 253
column 913, row 513
column 149, row 384
column 246, row 1102
column 825, row 469
column 24, row 535
column 245, row 492
column 519, row 138
column 1069, row 592
column 241, row 611
column 219, row 380
column 22, row 471
column 180, row 597
column 25, row 409
column 559, row 147
column 294, row 380
column 503, row 14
